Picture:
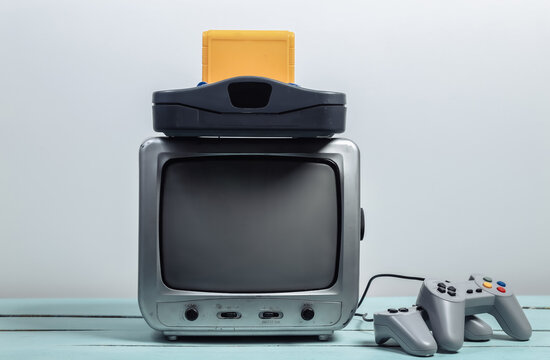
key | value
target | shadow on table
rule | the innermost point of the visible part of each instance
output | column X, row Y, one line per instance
column 391, row 347
column 155, row 338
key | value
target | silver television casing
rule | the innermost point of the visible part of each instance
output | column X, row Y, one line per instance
column 163, row 308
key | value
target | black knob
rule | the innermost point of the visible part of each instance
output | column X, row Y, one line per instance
column 307, row 313
column 362, row 235
column 191, row 314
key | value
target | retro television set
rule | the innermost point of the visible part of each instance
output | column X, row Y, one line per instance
column 248, row 236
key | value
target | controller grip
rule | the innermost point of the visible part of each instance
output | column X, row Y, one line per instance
column 446, row 319
column 409, row 331
column 476, row 329
column 510, row 316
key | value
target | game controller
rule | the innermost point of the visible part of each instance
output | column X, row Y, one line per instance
column 448, row 303
column 410, row 328
column 407, row 327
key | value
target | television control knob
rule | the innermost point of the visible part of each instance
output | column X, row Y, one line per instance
column 191, row 314
column 362, row 231
column 307, row 313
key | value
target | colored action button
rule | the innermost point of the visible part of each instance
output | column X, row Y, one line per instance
column 487, row 278
column 488, row 285
column 501, row 283
column 501, row 289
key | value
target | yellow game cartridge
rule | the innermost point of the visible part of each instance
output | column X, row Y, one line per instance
column 230, row 53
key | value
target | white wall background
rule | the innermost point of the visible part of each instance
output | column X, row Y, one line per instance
column 449, row 102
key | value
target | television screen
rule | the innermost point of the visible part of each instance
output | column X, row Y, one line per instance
column 246, row 224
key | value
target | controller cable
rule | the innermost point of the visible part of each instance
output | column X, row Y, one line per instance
column 364, row 316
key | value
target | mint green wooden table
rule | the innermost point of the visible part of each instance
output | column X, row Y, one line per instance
column 114, row 329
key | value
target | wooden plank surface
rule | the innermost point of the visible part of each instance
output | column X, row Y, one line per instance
column 113, row 329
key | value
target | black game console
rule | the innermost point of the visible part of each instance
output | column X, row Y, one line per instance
column 249, row 106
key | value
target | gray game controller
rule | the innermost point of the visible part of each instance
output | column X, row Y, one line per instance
column 407, row 327
column 448, row 303
column 410, row 328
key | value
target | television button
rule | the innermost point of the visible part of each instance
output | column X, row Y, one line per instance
column 307, row 313
column 271, row 315
column 229, row 315
column 191, row 314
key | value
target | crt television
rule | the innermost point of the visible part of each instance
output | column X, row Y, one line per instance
column 243, row 236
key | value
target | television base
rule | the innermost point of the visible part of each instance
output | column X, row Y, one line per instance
column 174, row 335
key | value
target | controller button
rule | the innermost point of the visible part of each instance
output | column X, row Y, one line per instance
column 392, row 311
column 478, row 290
column 403, row 310
column 469, row 291
column 501, row 283
column 419, row 308
column 452, row 293
column 452, row 288
column 442, row 285
column 501, row 289
column 441, row 290
column 488, row 278
column 447, row 281
column 488, row 285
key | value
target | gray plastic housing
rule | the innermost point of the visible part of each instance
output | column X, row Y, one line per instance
column 249, row 106
column 164, row 308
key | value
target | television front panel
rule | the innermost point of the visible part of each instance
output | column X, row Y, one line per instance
column 248, row 236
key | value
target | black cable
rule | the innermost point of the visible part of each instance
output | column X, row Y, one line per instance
column 364, row 316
